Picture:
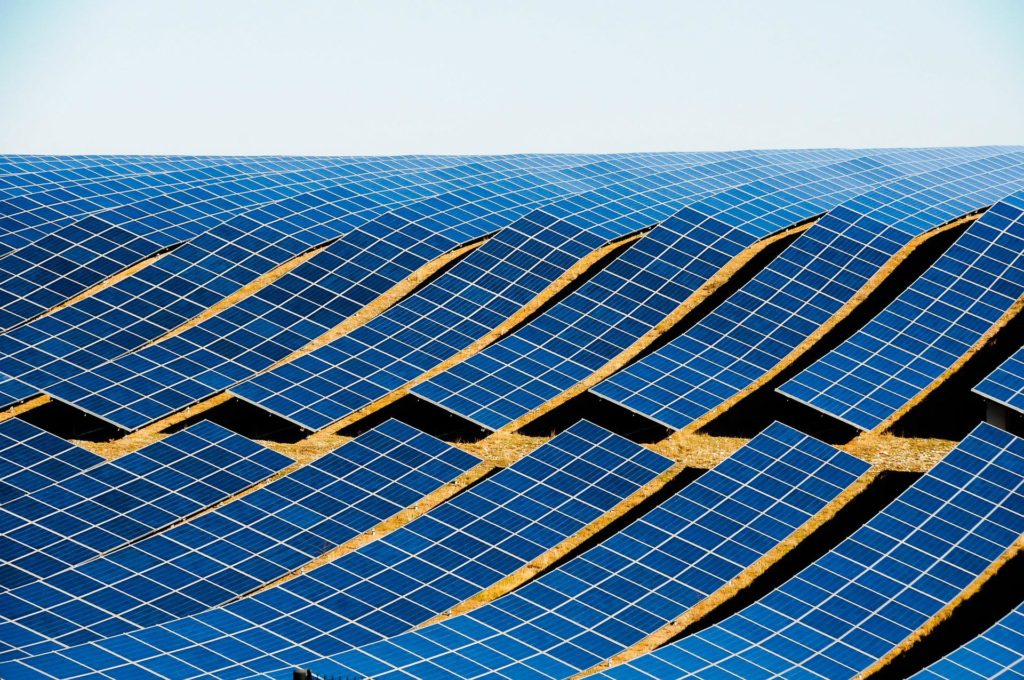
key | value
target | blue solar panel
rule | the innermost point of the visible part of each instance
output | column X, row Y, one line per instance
column 901, row 353
column 635, row 582
column 184, row 283
column 746, row 338
column 232, row 550
column 856, row 604
column 1006, row 383
column 404, row 578
column 610, row 313
column 31, row 459
column 304, row 304
column 105, row 506
column 474, row 298
column 996, row 653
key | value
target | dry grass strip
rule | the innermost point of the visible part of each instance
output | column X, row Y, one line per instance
column 27, row 405
column 982, row 341
column 823, row 330
column 540, row 564
column 699, row 450
column 744, row 579
column 495, row 334
column 393, row 523
column 685, row 307
column 901, row 454
column 947, row 611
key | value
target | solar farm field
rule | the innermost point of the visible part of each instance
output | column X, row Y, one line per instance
column 747, row 414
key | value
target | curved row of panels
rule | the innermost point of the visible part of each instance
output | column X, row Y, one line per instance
column 498, row 288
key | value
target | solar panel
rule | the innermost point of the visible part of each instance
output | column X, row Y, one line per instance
column 184, row 283
column 635, row 582
column 106, row 506
column 770, row 318
column 31, row 458
column 937, row 322
column 236, row 548
column 606, row 316
column 470, row 301
column 304, row 304
column 996, row 653
column 1006, row 383
column 454, row 551
column 852, row 607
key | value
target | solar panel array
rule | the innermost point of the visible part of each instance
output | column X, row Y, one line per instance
column 637, row 291
column 322, row 288
column 930, row 326
column 642, row 578
column 996, row 653
column 1005, row 385
column 868, row 595
column 236, row 548
column 748, row 336
column 108, row 505
column 453, row 552
column 31, row 459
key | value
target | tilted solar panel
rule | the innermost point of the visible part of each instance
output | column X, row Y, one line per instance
column 305, row 303
column 31, row 459
column 108, row 505
column 996, row 653
column 774, row 316
column 236, row 548
column 468, row 303
column 642, row 288
column 937, row 322
column 1006, row 383
column 435, row 562
column 635, row 582
column 869, row 595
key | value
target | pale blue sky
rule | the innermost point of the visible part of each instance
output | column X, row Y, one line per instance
column 483, row 76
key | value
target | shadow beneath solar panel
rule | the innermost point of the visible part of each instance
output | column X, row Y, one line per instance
column 764, row 406
column 994, row 600
column 952, row 409
column 422, row 415
column 247, row 420
column 881, row 491
column 622, row 421
column 69, row 422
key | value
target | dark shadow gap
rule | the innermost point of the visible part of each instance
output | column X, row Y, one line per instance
column 952, row 409
column 70, row 422
column 247, row 420
column 877, row 495
column 759, row 409
column 621, row 420
column 995, row 599
column 422, row 415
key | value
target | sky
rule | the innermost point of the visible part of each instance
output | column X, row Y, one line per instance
column 493, row 76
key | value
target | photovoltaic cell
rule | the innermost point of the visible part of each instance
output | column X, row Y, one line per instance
column 996, row 653
column 385, row 587
column 1006, row 384
column 108, row 505
column 931, row 325
column 643, row 286
column 634, row 583
column 875, row 589
column 234, row 549
column 31, row 458
column 747, row 336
